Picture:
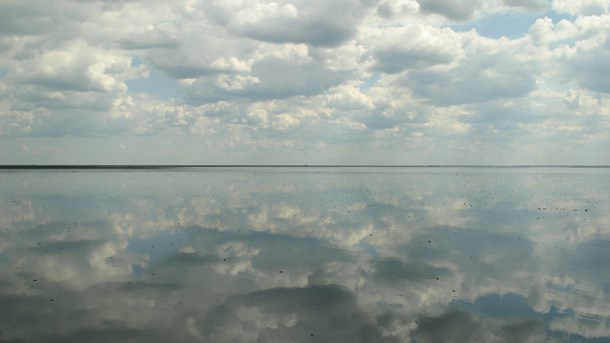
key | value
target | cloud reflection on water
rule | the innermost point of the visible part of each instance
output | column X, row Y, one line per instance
column 362, row 255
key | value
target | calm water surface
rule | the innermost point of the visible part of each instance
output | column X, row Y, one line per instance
column 305, row 255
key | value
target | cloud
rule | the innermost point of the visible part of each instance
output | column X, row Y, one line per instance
column 582, row 7
column 271, row 78
column 590, row 66
column 535, row 5
column 470, row 84
column 295, row 80
column 71, row 80
column 392, row 9
column 318, row 23
column 152, row 37
column 463, row 11
column 196, row 58
column 79, row 68
column 89, row 114
column 491, row 73
column 456, row 10
column 414, row 47
column 24, row 17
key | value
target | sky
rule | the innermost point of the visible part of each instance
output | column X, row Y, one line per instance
column 305, row 82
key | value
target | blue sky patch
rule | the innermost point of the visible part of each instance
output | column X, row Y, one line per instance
column 511, row 25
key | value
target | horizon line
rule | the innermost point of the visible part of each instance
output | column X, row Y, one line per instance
column 161, row 166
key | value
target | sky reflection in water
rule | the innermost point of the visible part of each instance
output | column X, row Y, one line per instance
column 305, row 254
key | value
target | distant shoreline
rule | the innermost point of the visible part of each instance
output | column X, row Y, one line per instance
column 42, row 167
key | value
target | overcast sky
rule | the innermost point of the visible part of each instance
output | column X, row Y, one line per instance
column 295, row 81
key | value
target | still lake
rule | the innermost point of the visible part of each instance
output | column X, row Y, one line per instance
column 311, row 254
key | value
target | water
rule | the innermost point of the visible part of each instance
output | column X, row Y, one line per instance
column 305, row 255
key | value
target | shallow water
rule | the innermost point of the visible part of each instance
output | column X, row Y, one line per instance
column 305, row 255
